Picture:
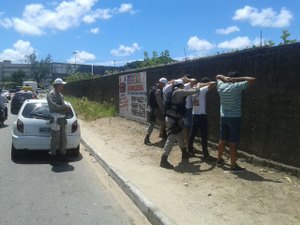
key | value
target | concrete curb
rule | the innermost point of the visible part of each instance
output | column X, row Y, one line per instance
column 152, row 213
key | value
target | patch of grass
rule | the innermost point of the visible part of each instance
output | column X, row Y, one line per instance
column 91, row 110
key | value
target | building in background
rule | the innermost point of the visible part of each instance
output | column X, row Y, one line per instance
column 7, row 68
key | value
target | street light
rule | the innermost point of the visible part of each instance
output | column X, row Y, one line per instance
column 75, row 54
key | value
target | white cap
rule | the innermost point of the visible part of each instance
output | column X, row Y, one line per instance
column 163, row 80
column 178, row 81
column 59, row 81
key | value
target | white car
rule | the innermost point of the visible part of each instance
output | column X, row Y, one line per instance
column 32, row 130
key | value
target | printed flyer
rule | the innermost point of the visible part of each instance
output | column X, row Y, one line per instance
column 133, row 95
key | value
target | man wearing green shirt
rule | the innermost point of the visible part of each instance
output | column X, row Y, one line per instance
column 230, row 90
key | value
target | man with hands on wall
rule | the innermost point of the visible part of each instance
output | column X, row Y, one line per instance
column 230, row 90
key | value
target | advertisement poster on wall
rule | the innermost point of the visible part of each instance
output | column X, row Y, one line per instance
column 133, row 95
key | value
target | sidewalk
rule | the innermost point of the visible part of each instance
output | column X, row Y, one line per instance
column 195, row 192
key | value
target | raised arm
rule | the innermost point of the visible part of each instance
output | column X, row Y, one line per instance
column 250, row 80
column 223, row 78
column 210, row 84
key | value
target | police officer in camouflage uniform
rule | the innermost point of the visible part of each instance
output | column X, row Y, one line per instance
column 58, row 121
column 174, row 121
column 156, row 113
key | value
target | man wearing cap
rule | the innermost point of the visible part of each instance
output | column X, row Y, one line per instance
column 156, row 110
column 230, row 90
column 58, row 110
column 174, row 121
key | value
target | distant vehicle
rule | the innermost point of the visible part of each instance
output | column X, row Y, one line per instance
column 27, row 88
column 32, row 130
column 6, row 94
column 32, row 84
column 18, row 99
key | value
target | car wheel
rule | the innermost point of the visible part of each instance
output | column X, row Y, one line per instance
column 14, row 153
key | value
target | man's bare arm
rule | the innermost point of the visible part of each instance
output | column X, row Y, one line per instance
column 223, row 78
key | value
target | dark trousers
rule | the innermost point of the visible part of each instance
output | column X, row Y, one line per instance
column 199, row 123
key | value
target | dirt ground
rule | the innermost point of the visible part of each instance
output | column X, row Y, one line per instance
column 195, row 192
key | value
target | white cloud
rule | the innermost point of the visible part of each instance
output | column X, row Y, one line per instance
column 94, row 30
column 126, row 8
column 26, row 27
column 37, row 19
column 199, row 45
column 18, row 52
column 81, row 57
column 227, row 30
column 236, row 43
column 104, row 14
column 125, row 50
column 6, row 23
column 265, row 18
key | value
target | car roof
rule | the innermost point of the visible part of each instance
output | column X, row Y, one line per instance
column 36, row 100
column 42, row 101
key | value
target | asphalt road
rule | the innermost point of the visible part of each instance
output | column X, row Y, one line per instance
column 78, row 192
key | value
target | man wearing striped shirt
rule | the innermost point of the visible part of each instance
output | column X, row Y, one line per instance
column 230, row 90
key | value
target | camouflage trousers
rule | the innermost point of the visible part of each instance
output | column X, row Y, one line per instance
column 58, row 141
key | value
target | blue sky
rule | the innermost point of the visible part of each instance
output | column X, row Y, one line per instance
column 105, row 32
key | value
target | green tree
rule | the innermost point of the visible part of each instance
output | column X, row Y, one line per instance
column 165, row 57
column 39, row 69
column 269, row 43
column 81, row 76
column 17, row 77
column 285, row 35
column 133, row 65
column 155, row 60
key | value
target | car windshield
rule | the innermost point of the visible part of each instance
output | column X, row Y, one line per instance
column 24, row 95
column 40, row 111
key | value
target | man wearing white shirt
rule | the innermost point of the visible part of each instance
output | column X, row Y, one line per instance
column 188, row 116
column 200, row 118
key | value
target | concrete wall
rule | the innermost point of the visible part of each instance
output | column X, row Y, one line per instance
column 271, row 108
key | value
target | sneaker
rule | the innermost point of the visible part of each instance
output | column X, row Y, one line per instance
column 220, row 162
column 237, row 168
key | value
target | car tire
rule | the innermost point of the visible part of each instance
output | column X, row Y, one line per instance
column 14, row 153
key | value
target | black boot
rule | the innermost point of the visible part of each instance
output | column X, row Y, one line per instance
column 164, row 162
column 186, row 154
column 146, row 140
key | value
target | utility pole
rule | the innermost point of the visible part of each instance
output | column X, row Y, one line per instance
column 185, row 58
column 75, row 54
column 260, row 38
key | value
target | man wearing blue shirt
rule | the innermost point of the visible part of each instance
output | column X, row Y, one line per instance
column 230, row 90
